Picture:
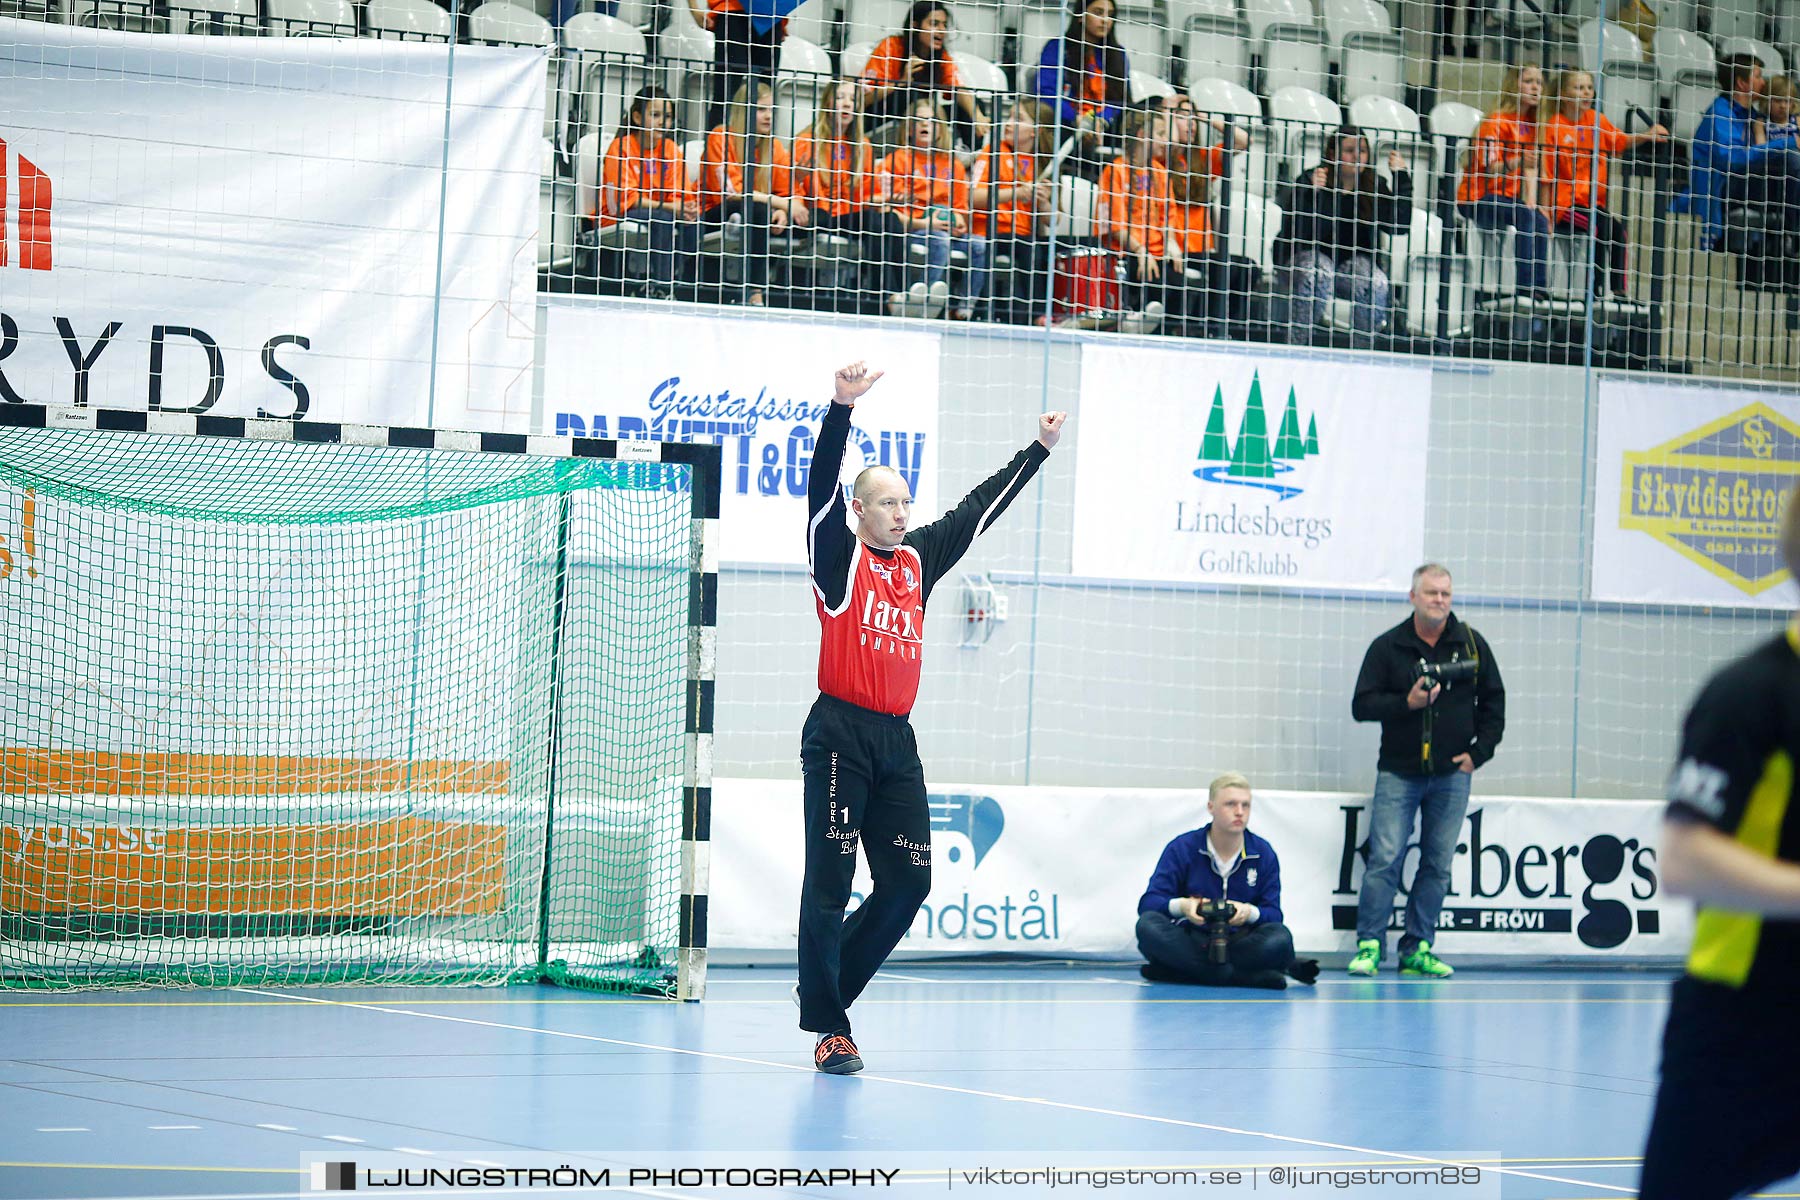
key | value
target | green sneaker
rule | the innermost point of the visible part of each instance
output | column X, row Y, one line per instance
column 1368, row 958
column 1423, row 962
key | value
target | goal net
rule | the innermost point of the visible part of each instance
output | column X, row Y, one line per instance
column 392, row 706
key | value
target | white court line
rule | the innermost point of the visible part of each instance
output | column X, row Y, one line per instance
column 174, row 1127
column 338, row 1137
column 278, row 1128
column 808, row 1069
column 413, row 1150
column 64, row 1129
column 944, row 981
column 1461, row 983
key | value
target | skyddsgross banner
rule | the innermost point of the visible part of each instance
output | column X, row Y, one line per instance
column 1195, row 465
column 1690, row 486
column 759, row 389
column 258, row 226
column 1059, row 871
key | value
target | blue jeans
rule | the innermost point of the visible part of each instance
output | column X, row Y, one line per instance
column 1531, row 244
column 938, row 245
column 1317, row 279
column 1439, row 801
column 673, row 242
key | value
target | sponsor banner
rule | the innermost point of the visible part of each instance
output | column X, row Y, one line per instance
column 1060, row 871
column 1250, row 469
column 404, row 866
column 1690, row 485
column 269, row 233
column 758, row 389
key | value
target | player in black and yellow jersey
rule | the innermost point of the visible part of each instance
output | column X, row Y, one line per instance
column 1727, row 1115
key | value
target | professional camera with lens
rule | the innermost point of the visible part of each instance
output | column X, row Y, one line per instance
column 1217, row 917
column 1443, row 674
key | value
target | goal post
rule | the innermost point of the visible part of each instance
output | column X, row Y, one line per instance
column 298, row 702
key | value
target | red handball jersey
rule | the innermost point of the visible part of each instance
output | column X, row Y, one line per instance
column 869, row 644
column 872, row 603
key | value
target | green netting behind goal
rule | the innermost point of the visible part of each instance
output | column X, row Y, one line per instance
column 275, row 712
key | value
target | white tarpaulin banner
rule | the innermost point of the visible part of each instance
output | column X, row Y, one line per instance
column 258, row 226
column 1250, row 468
column 1689, row 489
column 759, row 389
column 1060, row 870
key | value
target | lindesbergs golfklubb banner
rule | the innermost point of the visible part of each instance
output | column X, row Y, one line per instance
column 263, row 227
column 1250, row 469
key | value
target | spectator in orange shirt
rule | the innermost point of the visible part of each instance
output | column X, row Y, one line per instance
column 1085, row 77
column 1501, row 185
column 917, row 62
column 1580, row 141
column 835, row 172
column 928, row 189
column 1192, row 169
column 643, row 178
column 1135, row 215
column 745, row 48
column 1012, row 199
column 747, row 175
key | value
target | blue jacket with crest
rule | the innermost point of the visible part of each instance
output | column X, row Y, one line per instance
column 1186, row 869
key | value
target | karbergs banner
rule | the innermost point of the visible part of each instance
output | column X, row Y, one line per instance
column 1195, row 465
column 759, row 388
column 269, row 227
column 1690, row 485
column 1048, row 870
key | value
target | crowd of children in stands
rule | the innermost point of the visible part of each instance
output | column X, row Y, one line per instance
column 966, row 180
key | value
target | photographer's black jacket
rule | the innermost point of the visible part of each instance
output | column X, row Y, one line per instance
column 1466, row 717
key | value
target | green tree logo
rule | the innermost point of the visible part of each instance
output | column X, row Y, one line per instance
column 1250, row 461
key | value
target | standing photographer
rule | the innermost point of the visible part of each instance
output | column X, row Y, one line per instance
column 1433, row 684
column 1212, row 911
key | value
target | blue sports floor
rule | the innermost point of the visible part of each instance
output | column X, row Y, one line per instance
column 223, row 1094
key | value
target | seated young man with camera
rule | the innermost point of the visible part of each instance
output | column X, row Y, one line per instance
column 1212, row 911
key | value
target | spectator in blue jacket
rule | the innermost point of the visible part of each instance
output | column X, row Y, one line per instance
column 1223, row 860
column 1730, row 167
column 1085, row 79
